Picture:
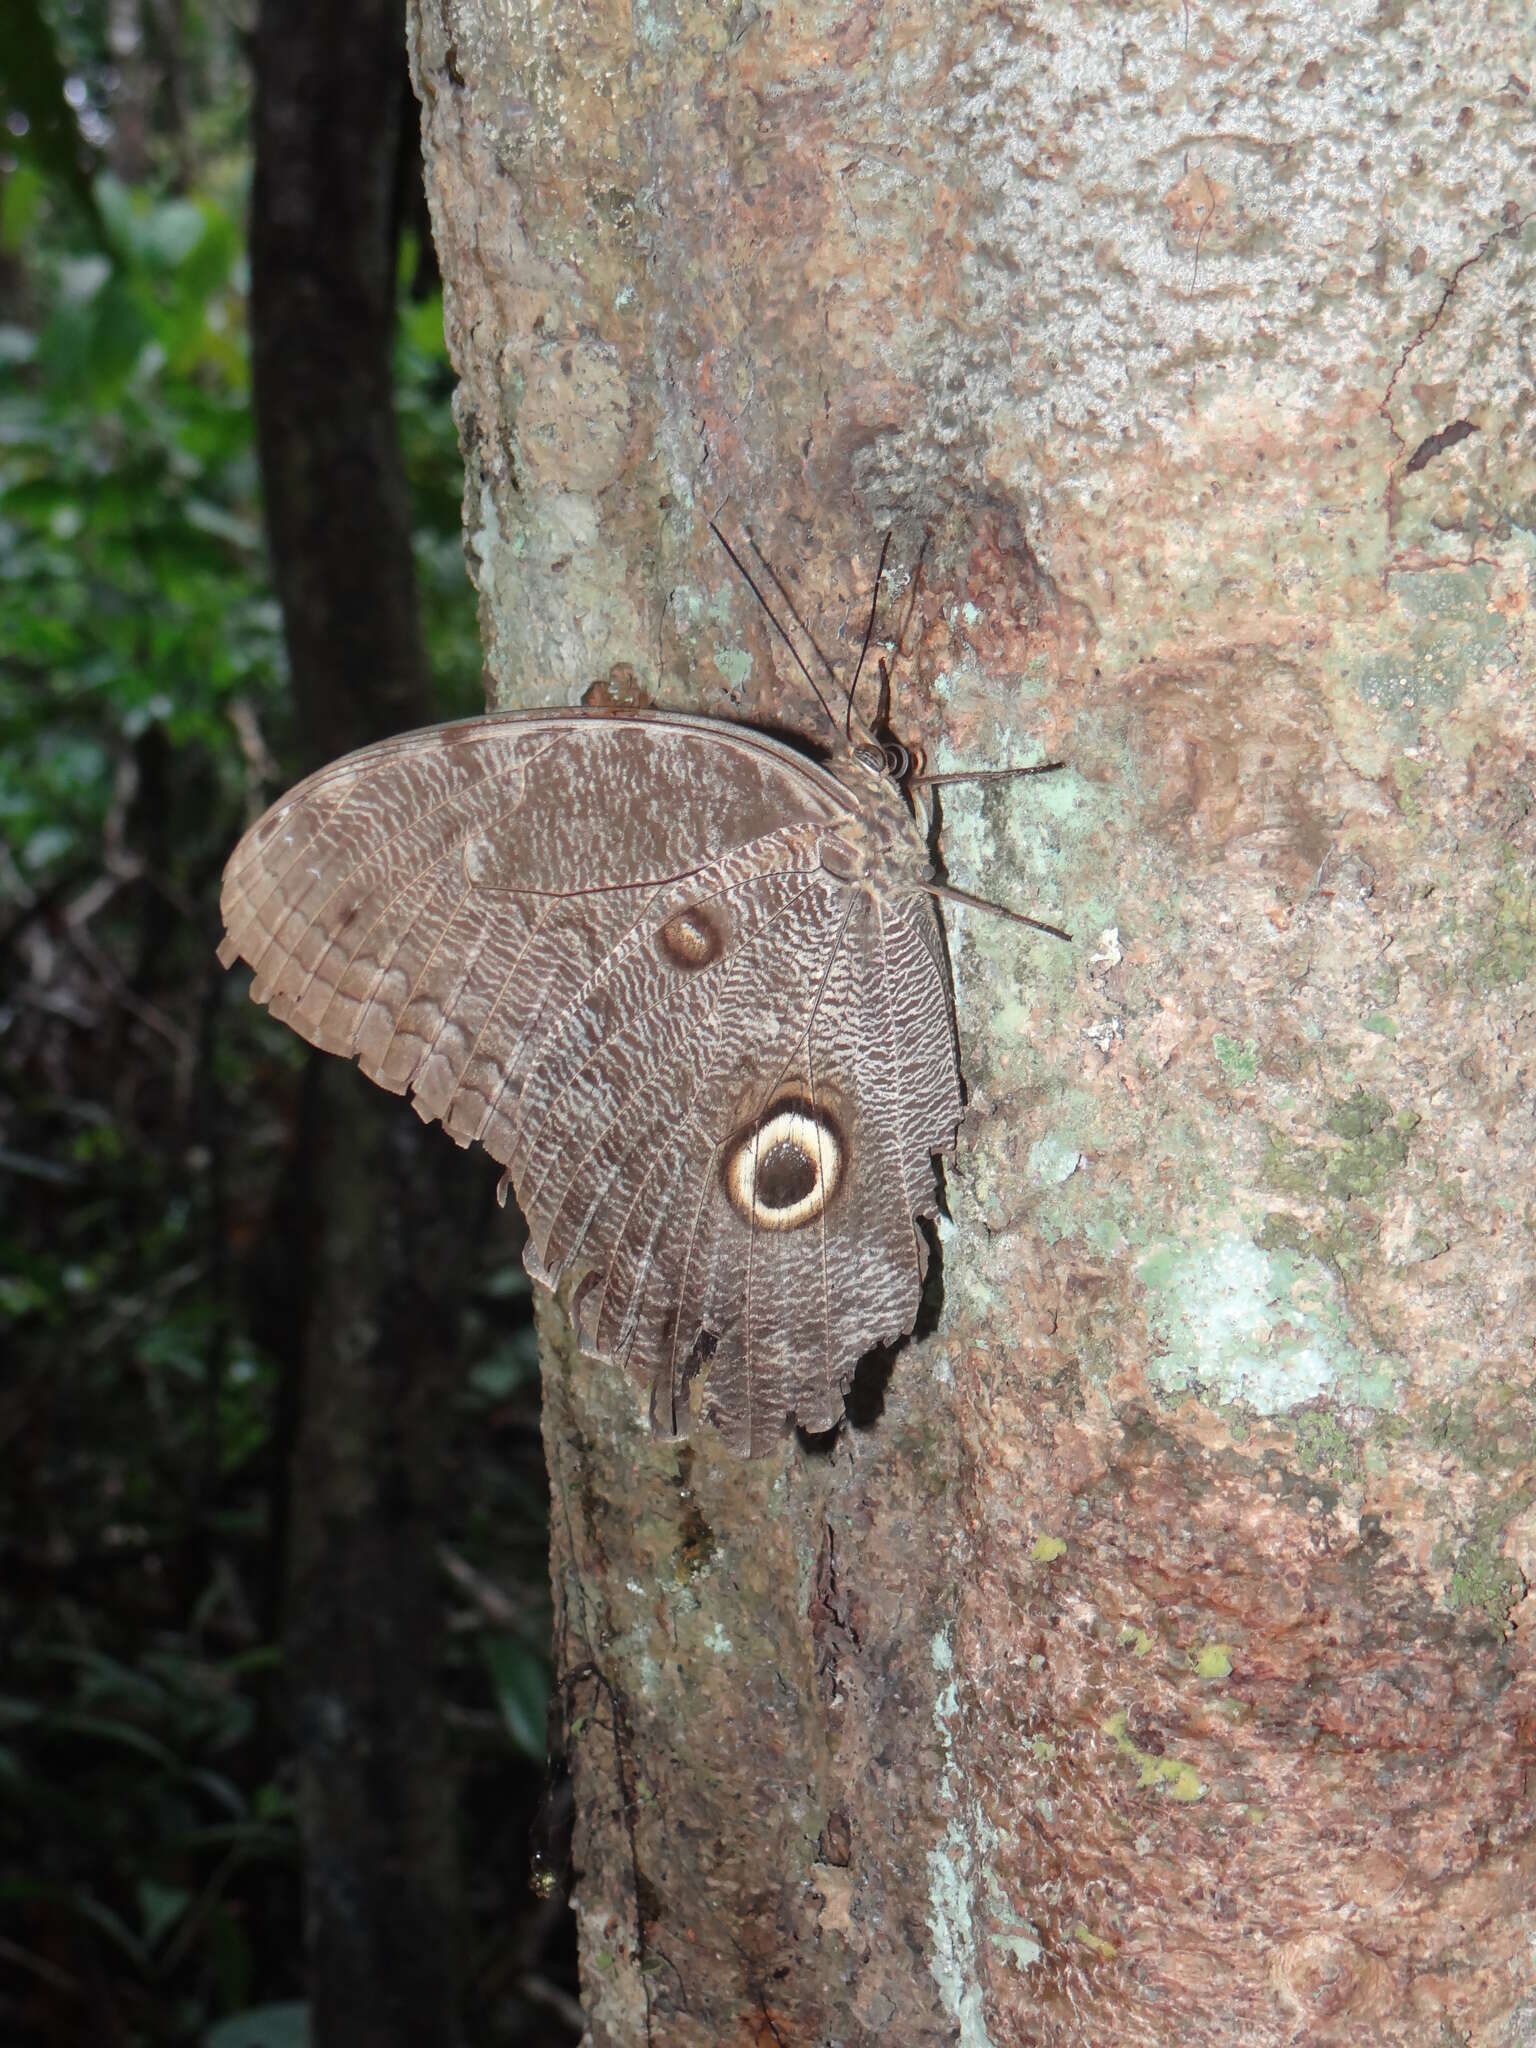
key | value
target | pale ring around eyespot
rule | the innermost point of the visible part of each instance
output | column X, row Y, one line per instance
column 771, row 1149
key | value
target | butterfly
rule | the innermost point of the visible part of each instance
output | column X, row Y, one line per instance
column 684, row 981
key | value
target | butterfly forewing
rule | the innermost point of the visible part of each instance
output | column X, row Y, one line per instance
column 608, row 950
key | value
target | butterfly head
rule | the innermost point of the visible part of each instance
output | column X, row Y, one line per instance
column 889, row 760
column 882, row 845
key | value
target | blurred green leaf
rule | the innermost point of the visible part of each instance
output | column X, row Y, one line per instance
column 160, row 1907
column 32, row 83
column 263, row 2026
column 521, row 1681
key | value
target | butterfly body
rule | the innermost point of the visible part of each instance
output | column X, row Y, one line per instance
column 683, row 982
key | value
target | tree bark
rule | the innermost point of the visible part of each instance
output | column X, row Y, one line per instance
column 1156, row 1665
column 375, row 1307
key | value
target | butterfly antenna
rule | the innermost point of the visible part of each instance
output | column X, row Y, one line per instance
column 772, row 617
column 983, row 774
column 883, row 703
column 793, row 609
column 869, row 634
column 964, row 897
column 917, row 579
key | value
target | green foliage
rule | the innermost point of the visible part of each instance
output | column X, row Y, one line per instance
column 32, row 92
column 148, row 1860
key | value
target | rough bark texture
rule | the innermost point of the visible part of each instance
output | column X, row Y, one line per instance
column 372, row 1362
column 1157, row 1668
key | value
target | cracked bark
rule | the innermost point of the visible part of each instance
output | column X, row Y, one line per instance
column 1155, row 1665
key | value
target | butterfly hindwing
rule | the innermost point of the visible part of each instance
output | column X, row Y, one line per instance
column 608, row 950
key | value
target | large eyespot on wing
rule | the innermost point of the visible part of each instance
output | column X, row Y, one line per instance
column 783, row 1168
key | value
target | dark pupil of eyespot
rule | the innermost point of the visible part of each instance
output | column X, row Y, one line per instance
column 785, row 1175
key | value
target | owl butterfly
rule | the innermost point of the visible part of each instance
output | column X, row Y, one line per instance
column 686, row 983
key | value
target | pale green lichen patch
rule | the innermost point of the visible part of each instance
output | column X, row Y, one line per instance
column 1239, row 1323
column 1371, row 1146
column 1164, row 1774
column 1481, row 1578
column 1323, row 1445
column 1015, row 1937
column 735, row 664
column 1136, row 1640
column 952, row 1961
column 1021, row 841
column 1022, row 1950
column 1212, row 1660
column 1046, row 1549
column 965, row 1899
column 1239, row 1062
column 1507, row 954
column 1444, row 633
column 1408, row 778
column 1053, row 1159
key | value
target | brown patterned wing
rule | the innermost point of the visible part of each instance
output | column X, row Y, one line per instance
column 421, row 904
column 606, row 950
column 758, row 1244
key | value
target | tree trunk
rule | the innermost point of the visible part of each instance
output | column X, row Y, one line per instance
column 1155, row 1665
column 373, row 1357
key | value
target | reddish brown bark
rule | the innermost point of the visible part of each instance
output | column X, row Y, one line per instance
column 1156, row 1668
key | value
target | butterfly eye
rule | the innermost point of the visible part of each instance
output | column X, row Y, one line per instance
column 891, row 759
column 783, row 1171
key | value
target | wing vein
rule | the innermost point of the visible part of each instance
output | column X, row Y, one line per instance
column 693, row 1233
column 894, row 1043
column 363, row 782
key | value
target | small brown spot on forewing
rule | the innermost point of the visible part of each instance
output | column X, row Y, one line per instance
column 694, row 938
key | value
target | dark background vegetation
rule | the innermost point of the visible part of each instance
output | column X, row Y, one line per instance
column 273, row 1606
